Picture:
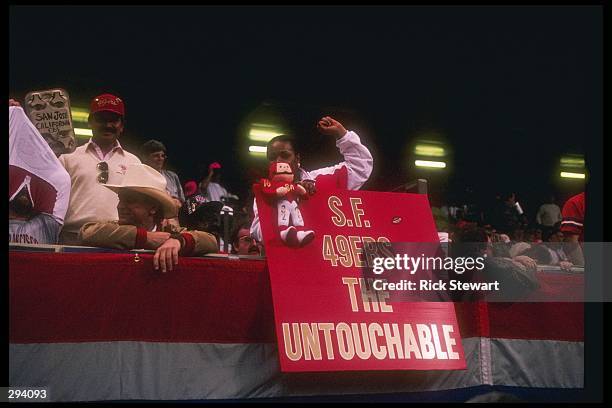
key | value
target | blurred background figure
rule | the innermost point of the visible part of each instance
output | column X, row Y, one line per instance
column 190, row 188
column 243, row 243
column 548, row 214
column 154, row 153
column 508, row 214
column 211, row 188
column 200, row 214
column 554, row 242
column 572, row 227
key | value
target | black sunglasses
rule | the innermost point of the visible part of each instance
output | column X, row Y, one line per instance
column 102, row 168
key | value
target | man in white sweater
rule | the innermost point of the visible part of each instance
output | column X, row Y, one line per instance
column 100, row 161
column 358, row 162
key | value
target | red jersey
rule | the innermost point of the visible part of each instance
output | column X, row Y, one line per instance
column 573, row 216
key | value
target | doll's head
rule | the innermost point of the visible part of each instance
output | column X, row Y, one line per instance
column 279, row 171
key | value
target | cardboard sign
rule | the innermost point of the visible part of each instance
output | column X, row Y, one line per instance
column 326, row 316
column 49, row 111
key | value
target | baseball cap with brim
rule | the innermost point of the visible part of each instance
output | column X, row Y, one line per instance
column 190, row 187
column 107, row 103
column 146, row 180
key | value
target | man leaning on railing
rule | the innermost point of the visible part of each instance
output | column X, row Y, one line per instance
column 143, row 206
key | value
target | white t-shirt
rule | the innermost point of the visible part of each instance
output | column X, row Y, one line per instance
column 40, row 229
column 549, row 214
column 215, row 191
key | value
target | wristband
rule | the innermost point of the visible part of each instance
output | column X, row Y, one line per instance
column 179, row 237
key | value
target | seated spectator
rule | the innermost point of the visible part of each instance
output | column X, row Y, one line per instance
column 543, row 255
column 516, row 275
column 501, row 245
column 154, row 154
column 554, row 242
column 442, row 225
column 553, row 235
column 243, row 243
column 518, row 247
column 143, row 204
column 39, row 187
column 517, row 235
column 538, row 253
column 533, row 235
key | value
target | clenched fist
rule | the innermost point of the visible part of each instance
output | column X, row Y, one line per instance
column 330, row 126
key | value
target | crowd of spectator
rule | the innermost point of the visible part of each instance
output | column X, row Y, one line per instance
column 551, row 236
column 103, row 195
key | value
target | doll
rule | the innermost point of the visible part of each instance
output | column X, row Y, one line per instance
column 281, row 189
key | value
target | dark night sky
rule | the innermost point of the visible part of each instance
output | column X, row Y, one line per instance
column 511, row 88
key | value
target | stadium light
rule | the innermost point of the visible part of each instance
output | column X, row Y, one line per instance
column 79, row 115
column 260, row 135
column 83, row 132
column 572, row 161
column 429, row 150
column 430, row 164
column 566, row 174
column 257, row 150
column 263, row 132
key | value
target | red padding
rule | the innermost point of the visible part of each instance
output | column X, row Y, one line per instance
column 69, row 297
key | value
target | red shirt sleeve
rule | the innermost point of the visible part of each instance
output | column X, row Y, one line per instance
column 573, row 216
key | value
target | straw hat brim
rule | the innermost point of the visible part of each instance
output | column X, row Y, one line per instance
column 162, row 197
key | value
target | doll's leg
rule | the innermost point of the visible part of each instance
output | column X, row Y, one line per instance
column 303, row 235
column 287, row 233
column 284, row 212
column 296, row 214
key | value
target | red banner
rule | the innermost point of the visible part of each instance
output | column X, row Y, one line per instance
column 326, row 317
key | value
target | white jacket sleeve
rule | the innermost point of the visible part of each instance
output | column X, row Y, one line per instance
column 255, row 226
column 357, row 159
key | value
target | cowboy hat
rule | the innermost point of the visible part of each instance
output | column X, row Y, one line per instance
column 146, row 180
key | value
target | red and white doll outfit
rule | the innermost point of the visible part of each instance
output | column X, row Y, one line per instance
column 280, row 188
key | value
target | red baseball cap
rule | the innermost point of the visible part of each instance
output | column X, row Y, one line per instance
column 107, row 102
column 191, row 187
